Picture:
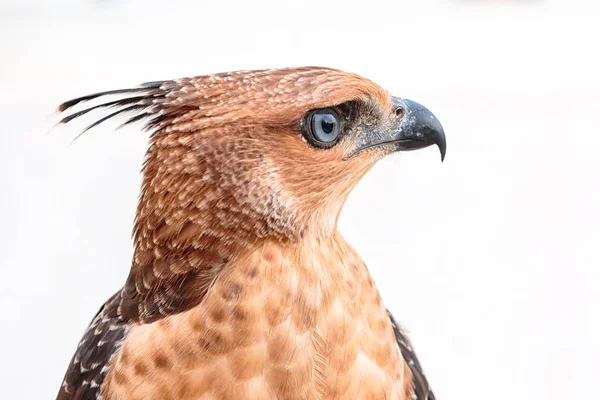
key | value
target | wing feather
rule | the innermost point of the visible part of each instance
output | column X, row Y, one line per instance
column 421, row 386
column 88, row 367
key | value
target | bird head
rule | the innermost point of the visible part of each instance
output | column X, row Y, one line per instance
column 240, row 156
column 285, row 146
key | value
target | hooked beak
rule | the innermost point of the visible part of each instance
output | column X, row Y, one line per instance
column 415, row 128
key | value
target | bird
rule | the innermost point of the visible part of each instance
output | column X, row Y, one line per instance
column 241, row 285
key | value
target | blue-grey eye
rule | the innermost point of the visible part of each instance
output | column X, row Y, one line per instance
column 325, row 125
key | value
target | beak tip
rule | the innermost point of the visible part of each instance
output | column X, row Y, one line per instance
column 441, row 143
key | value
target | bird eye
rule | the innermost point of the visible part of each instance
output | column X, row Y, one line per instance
column 325, row 126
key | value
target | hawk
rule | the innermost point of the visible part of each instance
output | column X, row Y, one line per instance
column 241, row 286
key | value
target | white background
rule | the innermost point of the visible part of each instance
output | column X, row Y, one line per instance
column 489, row 259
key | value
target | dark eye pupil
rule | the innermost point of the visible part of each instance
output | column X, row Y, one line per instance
column 327, row 126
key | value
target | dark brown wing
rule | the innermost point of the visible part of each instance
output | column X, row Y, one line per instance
column 101, row 341
column 420, row 384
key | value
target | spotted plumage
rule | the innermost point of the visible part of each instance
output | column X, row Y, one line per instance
column 89, row 365
column 240, row 284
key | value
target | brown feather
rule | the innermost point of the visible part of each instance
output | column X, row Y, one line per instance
column 89, row 365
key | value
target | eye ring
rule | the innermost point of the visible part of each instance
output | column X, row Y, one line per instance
column 324, row 127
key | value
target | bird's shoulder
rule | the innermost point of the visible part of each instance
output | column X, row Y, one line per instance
column 422, row 390
column 89, row 365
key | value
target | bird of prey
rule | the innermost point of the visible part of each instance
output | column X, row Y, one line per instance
column 241, row 286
